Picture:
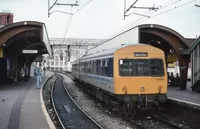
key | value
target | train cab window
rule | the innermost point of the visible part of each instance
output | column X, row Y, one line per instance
column 141, row 67
column 125, row 67
column 156, row 67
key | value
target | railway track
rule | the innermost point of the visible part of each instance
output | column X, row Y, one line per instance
column 150, row 121
column 69, row 114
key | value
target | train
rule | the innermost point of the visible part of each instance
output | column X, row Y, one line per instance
column 127, row 77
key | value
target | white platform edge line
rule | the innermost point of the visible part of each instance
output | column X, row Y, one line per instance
column 46, row 114
column 183, row 101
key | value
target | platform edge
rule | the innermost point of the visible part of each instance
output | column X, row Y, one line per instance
column 183, row 101
column 46, row 114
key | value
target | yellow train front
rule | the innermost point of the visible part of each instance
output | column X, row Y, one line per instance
column 140, row 74
column 131, row 76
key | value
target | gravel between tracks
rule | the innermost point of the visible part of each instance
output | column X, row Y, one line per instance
column 94, row 109
column 47, row 100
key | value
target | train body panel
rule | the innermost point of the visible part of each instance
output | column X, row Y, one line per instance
column 139, row 85
column 105, row 83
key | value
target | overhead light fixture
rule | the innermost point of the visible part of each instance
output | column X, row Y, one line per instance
column 180, row 49
column 171, row 51
column 158, row 42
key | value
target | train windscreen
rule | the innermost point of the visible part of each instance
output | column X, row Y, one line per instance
column 141, row 67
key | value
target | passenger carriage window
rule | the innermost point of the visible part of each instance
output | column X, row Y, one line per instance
column 102, row 68
column 87, row 67
column 83, row 68
column 95, row 67
column 110, row 67
column 90, row 67
column 106, row 67
column 101, row 63
column 106, row 63
column 83, row 65
column 98, row 67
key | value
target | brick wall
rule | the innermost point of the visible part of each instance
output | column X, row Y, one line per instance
column 6, row 18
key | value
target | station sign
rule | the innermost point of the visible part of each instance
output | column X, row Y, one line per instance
column 29, row 51
column 140, row 54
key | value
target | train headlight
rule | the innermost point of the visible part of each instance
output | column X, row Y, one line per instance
column 124, row 89
column 159, row 88
column 142, row 88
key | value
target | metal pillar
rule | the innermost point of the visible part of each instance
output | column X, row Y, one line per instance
column 197, row 77
column 3, row 70
column 183, row 67
column 192, row 69
column 29, row 70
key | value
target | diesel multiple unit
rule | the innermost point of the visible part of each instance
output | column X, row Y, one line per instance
column 127, row 76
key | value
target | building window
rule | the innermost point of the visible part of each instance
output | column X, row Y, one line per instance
column 56, row 57
column 52, row 63
column 61, row 63
column 61, row 56
column 56, row 63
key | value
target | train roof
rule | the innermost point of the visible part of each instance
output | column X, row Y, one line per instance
column 105, row 53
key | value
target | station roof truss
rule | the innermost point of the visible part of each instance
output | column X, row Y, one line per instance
column 168, row 38
column 75, row 42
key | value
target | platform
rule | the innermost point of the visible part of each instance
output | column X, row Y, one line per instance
column 20, row 106
column 186, row 97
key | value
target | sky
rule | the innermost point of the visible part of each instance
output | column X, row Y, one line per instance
column 103, row 18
